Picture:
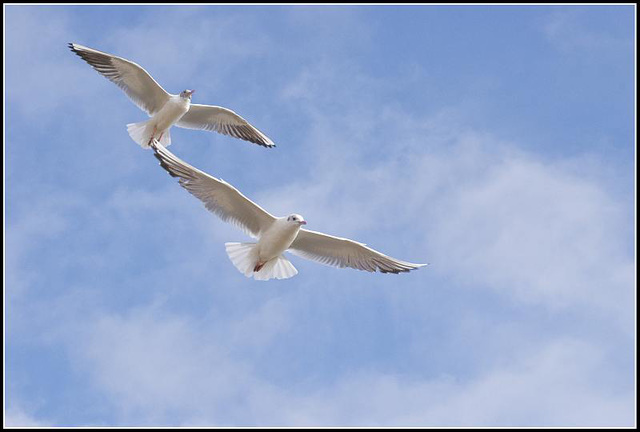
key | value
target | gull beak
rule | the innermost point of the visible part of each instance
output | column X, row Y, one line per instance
column 303, row 222
column 191, row 92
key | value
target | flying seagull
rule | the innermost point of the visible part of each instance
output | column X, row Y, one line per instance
column 165, row 109
column 264, row 260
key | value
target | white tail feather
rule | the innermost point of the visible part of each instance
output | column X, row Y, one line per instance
column 278, row 268
column 165, row 141
column 141, row 133
column 138, row 133
column 245, row 257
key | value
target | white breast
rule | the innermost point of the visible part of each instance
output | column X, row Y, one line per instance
column 171, row 112
column 277, row 239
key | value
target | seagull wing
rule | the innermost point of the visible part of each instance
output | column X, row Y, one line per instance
column 136, row 82
column 224, row 121
column 342, row 252
column 217, row 195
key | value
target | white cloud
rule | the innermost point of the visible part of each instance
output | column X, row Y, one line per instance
column 15, row 416
column 541, row 235
column 42, row 76
column 162, row 368
column 46, row 219
column 568, row 30
column 550, row 388
column 481, row 210
column 158, row 41
column 485, row 214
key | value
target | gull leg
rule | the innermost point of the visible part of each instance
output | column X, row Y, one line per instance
column 258, row 266
column 155, row 129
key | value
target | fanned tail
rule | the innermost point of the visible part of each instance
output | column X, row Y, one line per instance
column 141, row 133
column 244, row 257
column 277, row 268
column 138, row 133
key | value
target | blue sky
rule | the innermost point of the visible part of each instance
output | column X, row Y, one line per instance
column 495, row 143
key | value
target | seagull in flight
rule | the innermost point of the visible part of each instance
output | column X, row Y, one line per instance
column 165, row 109
column 264, row 259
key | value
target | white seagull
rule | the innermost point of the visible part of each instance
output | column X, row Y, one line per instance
column 165, row 109
column 264, row 260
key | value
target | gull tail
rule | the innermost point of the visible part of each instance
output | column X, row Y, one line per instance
column 245, row 257
column 278, row 268
column 141, row 133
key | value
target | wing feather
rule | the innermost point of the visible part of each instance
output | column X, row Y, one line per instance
column 224, row 121
column 136, row 82
column 342, row 252
column 218, row 196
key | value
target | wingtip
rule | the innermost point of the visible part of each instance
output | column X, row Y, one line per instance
column 75, row 48
column 154, row 145
column 263, row 141
column 410, row 267
column 163, row 163
column 265, row 144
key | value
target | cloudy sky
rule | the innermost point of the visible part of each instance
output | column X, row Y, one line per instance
column 495, row 143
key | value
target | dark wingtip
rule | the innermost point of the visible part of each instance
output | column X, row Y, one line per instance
column 155, row 151
column 163, row 163
column 262, row 143
column 74, row 50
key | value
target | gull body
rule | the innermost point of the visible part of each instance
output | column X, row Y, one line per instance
column 165, row 109
column 171, row 112
column 265, row 258
column 278, row 237
column 158, row 125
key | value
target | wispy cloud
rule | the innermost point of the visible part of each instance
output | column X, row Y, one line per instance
column 523, row 318
column 15, row 416
column 569, row 30
column 174, row 56
column 484, row 213
column 161, row 368
column 545, row 232
column 40, row 80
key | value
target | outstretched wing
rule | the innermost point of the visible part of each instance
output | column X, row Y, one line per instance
column 217, row 195
column 342, row 252
column 136, row 82
column 224, row 121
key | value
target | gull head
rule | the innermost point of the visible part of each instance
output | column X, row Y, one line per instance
column 296, row 219
column 186, row 94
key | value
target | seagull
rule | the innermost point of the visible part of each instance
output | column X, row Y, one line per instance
column 264, row 259
column 165, row 109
